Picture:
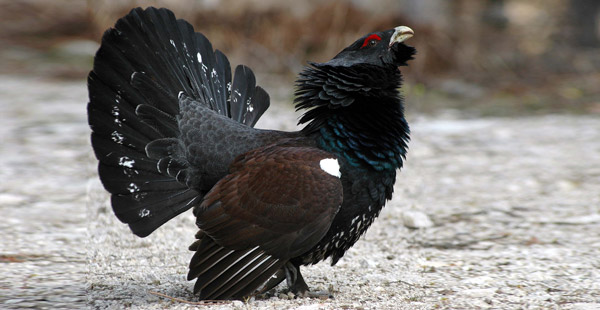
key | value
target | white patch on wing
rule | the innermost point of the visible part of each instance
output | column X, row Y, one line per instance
column 199, row 57
column 331, row 166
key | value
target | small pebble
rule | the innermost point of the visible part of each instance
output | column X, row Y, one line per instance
column 416, row 219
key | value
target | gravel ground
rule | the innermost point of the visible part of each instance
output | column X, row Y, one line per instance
column 507, row 214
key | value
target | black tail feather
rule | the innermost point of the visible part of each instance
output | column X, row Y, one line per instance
column 163, row 123
column 222, row 276
column 252, row 278
column 248, row 97
column 144, row 218
column 142, row 66
column 154, row 94
column 225, row 274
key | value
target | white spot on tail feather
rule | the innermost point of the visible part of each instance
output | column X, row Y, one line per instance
column 331, row 166
column 144, row 213
column 138, row 196
column 117, row 137
column 133, row 188
column 126, row 162
column 130, row 172
column 249, row 106
column 115, row 112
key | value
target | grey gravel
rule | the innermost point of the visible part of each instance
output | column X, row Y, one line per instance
column 514, row 203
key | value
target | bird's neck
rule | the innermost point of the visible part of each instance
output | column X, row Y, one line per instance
column 359, row 118
column 378, row 140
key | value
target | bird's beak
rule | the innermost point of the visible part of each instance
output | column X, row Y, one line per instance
column 401, row 33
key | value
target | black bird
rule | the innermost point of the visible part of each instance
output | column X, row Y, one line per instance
column 172, row 129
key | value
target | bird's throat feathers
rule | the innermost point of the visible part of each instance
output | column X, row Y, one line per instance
column 356, row 112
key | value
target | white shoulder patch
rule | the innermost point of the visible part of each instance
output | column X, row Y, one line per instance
column 331, row 166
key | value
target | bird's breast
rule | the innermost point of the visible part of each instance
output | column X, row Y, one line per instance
column 365, row 193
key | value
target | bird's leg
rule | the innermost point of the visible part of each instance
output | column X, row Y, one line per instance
column 294, row 279
column 298, row 286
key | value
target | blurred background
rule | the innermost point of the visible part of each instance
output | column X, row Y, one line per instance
column 475, row 57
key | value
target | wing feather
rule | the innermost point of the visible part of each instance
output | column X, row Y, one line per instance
column 276, row 204
column 277, row 198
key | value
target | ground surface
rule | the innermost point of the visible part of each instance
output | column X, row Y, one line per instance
column 515, row 205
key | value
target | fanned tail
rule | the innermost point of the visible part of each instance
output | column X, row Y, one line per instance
column 142, row 66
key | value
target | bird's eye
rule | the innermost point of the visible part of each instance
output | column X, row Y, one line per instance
column 371, row 40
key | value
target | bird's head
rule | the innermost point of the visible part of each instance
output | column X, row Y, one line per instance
column 362, row 79
column 382, row 48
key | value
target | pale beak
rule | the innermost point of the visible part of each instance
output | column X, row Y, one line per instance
column 401, row 33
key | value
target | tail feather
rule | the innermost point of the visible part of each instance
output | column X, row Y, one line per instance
column 223, row 72
column 247, row 96
column 144, row 217
column 121, row 156
column 154, row 94
column 225, row 274
column 163, row 123
column 111, row 114
column 124, row 135
column 150, row 181
column 142, row 66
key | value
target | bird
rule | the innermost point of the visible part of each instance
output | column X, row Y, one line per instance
column 173, row 129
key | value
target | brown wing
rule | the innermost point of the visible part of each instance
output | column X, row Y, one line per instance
column 278, row 198
column 276, row 204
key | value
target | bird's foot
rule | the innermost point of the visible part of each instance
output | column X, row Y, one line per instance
column 299, row 287
column 319, row 294
column 296, row 284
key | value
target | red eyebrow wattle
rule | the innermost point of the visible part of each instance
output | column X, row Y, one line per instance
column 369, row 38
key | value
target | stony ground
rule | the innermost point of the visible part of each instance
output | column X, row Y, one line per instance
column 507, row 214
